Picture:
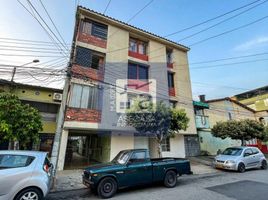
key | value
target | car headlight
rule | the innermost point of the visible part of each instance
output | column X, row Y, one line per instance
column 230, row 162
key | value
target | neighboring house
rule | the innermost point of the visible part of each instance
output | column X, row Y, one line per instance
column 208, row 113
column 256, row 99
column 113, row 63
column 46, row 100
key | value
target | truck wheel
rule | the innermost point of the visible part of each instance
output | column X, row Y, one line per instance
column 264, row 164
column 170, row 180
column 107, row 188
column 241, row 168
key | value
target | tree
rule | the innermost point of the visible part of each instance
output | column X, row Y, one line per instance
column 239, row 130
column 156, row 120
column 18, row 122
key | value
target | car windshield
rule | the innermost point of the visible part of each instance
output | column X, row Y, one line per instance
column 122, row 157
column 232, row 151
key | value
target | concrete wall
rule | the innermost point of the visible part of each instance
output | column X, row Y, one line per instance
column 211, row 144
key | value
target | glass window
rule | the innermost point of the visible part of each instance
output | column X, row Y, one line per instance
column 173, row 104
column 142, row 48
column 232, row 151
column 99, row 30
column 132, row 45
column 170, row 80
column 121, row 157
column 143, row 73
column 230, row 116
column 138, row 157
column 248, row 152
column 84, row 96
column 132, row 71
column 43, row 107
column 14, row 161
column 86, row 27
column 166, row 144
column 169, row 56
column 255, row 150
column 83, row 56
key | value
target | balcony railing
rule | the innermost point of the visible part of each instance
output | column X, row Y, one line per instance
column 202, row 122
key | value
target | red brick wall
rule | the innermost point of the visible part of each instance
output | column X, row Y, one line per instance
column 171, row 92
column 90, row 39
column 170, row 65
column 137, row 55
column 80, row 72
column 83, row 115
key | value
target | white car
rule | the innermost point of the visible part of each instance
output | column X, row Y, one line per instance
column 24, row 175
column 240, row 159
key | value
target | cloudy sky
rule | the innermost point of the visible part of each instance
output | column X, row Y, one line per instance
column 242, row 33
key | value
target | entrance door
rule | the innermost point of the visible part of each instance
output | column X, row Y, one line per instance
column 192, row 146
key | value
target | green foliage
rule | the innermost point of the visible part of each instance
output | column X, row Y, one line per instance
column 157, row 120
column 265, row 138
column 239, row 130
column 18, row 122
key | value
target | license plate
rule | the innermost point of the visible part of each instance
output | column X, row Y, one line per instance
column 219, row 165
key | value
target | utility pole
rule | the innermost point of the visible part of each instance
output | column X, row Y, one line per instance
column 15, row 68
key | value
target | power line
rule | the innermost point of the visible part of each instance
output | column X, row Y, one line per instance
column 27, row 50
column 23, row 55
column 27, row 47
column 31, row 41
column 229, row 31
column 47, row 32
column 205, row 29
column 211, row 19
column 53, row 23
column 107, row 6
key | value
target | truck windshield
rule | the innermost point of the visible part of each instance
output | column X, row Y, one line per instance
column 122, row 157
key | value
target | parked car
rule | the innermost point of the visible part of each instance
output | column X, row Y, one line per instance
column 131, row 168
column 240, row 159
column 24, row 175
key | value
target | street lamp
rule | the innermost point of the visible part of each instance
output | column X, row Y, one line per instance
column 15, row 68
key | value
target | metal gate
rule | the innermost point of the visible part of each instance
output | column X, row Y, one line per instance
column 192, row 146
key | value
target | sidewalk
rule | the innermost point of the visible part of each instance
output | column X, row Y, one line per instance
column 72, row 179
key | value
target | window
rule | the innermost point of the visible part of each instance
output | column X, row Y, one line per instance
column 14, row 161
column 87, row 58
column 136, row 71
column 172, row 104
column 169, row 56
column 143, row 98
column 248, row 152
column 43, row 107
column 84, row 96
column 255, row 150
column 170, row 80
column 166, row 144
column 199, row 111
column 137, row 46
column 94, row 28
column 138, row 157
column 230, row 117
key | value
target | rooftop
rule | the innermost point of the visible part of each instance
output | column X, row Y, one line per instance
column 128, row 26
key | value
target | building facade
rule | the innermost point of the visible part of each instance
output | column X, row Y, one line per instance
column 46, row 101
column 112, row 64
column 208, row 113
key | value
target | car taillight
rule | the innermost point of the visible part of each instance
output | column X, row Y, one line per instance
column 46, row 168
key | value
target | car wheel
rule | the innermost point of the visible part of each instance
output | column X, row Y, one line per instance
column 264, row 164
column 241, row 168
column 107, row 187
column 30, row 194
column 170, row 180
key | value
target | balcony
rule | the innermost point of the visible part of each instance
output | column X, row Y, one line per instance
column 138, row 55
column 202, row 122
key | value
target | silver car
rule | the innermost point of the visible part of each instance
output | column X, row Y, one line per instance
column 24, row 175
column 240, row 159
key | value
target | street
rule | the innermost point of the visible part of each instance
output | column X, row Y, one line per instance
column 226, row 185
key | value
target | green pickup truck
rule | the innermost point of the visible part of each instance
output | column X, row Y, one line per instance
column 131, row 168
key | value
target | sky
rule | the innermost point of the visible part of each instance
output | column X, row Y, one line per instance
column 162, row 17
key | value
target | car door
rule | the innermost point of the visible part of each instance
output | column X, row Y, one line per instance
column 139, row 168
column 13, row 170
column 248, row 158
column 257, row 156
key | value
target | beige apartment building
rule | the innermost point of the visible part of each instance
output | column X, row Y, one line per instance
column 113, row 63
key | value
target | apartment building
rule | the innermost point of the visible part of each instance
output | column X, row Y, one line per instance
column 113, row 63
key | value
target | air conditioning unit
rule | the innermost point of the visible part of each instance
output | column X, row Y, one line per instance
column 57, row 96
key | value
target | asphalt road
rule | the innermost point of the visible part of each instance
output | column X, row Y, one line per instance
column 251, row 185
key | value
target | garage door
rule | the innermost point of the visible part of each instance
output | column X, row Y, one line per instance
column 141, row 143
column 192, row 146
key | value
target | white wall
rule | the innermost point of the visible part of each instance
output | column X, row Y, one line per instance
column 177, row 148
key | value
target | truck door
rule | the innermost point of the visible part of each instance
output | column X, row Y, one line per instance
column 139, row 168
